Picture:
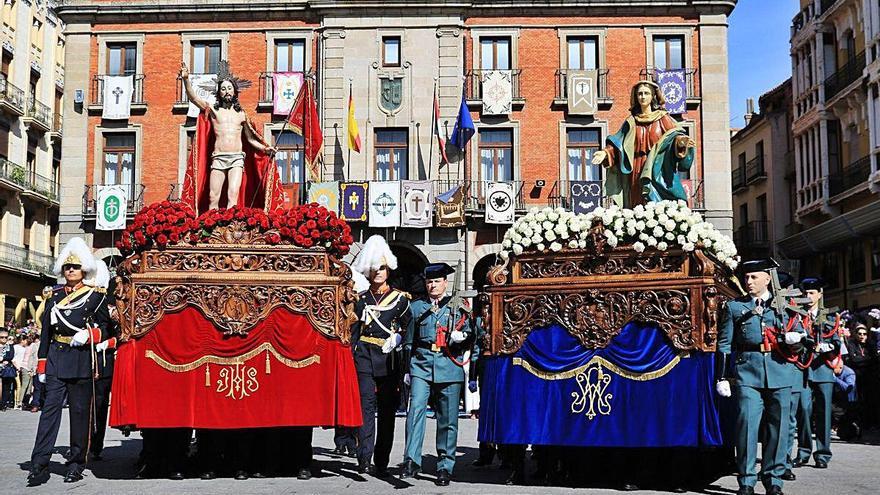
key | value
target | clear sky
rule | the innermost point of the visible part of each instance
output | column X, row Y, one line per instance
column 758, row 50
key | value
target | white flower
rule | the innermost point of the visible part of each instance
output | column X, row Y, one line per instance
column 505, row 255
column 582, row 243
column 669, row 236
column 526, row 242
column 552, row 215
column 546, row 225
column 540, row 216
column 515, row 237
column 639, row 247
column 669, row 224
column 541, row 246
column 550, row 235
column 555, row 246
column 651, row 241
column 662, row 246
column 517, row 249
column 573, row 244
column 506, row 244
column 688, row 246
column 561, row 229
column 651, row 223
column 658, row 232
column 536, row 239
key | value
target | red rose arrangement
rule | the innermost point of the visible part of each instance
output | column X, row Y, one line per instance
column 306, row 226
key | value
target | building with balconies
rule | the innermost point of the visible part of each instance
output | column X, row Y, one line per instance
column 762, row 157
column 835, row 75
column 391, row 60
column 31, row 92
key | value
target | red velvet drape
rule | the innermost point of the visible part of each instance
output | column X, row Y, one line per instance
column 147, row 394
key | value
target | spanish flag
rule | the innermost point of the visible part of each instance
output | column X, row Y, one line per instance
column 354, row 135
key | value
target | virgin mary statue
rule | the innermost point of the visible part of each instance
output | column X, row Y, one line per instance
column 644, row 156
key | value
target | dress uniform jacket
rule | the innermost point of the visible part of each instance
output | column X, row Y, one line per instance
column 425, row 362
column 390, row 312
column 820, row 371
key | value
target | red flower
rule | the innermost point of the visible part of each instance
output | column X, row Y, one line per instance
column 285, row 232
column 298, row 239
column 264, row 222
column 307, row 243
column 174, row 237
column 273, row 238
column 209, row 222
column 162, row 239
column 251, row 221
column 311, row 225
column 303, row 230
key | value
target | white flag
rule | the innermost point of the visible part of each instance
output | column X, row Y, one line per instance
column 285, row 87
column 205, row 86
column 111, row 207
column 500, row 202
column 384, row 203
column 117, row 97
column 417, row 198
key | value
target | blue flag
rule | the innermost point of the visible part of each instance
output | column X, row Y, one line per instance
column 464, row 126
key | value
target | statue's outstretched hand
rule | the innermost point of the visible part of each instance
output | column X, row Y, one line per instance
column 271, row 150
column 184, row 71
column 600, row 158
column 691, row 143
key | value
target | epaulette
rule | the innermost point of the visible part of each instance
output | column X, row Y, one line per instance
column 406, row 294
column 51, row 289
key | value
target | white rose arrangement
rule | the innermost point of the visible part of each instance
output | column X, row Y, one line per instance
column 656, row 225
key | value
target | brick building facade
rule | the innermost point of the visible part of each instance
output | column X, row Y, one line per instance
column 425, row 45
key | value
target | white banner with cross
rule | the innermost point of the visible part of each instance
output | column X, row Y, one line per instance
column 117, row 95
column 111, row 204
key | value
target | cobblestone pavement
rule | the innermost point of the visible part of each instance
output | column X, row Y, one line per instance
column 852, row 471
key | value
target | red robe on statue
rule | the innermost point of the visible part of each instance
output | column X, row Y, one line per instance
column 260, row 175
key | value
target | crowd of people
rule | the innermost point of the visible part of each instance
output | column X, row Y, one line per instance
column 857, row 387
column 18, row 367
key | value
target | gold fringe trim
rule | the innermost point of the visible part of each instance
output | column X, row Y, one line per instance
column 266, row 346
column 565, row 375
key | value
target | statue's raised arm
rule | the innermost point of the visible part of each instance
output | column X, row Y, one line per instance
column 190, row 93
column 642, row 159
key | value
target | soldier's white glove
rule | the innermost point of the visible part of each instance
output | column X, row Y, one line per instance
column 41, row 378
column 407, row 379
column 792, row 338
column 80, row 338
column 457, row 337
column 102, row 346
column 824, row 347
column 723, row 388
column 390, row 343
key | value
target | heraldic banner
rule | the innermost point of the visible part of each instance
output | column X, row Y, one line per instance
column 500, row 203
column 582, row 92
column 204, row 85
column 282, row 373
column 673, row 84
column 449, row 208
column 285, row 87
column 353, row 201
column 118, row 91
column 585, row 195
column 325, row 194
column 384, row 203
column 639, row 391
column 416, row 199
column 497, row 92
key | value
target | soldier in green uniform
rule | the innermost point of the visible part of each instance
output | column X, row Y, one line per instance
column 824, row 350
column 436, row 339
column 763, row 339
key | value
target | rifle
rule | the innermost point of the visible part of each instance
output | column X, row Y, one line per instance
column 822, row 315
column 786, row 299
column 456, row 303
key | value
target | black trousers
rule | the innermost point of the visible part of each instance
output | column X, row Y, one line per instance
column 102, row 405
column 8, row 396
column 345, row 438
column 378, row 394
column 79, row 395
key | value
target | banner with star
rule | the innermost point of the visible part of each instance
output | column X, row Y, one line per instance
column 353, row 201
column 384, row 203
column 325, row 194
column 416, row 196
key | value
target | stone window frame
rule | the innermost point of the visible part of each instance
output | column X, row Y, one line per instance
column 308, row 37
column 105, row 39
column 492, row 32
column 474, row 146
column 564, row 126
column 269, row 128
column 582, row 32
column 687, row 32
column 181, row 151
column 188, row 38
column 381, row 34
column 98, row 147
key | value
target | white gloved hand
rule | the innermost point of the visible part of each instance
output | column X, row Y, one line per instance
column 792, row 338
column 723, row 388
column 407, row 379
column 824, row 347
column 390, row 343
column 41, row 378
column 80, row 338
column 102, row 346
column 457, row 337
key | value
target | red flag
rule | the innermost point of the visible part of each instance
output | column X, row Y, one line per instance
column 440, row 140
column 304, row 121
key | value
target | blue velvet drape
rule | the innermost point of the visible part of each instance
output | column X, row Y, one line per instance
column 673, row 410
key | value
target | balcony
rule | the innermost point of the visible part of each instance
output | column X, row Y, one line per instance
column 737, row 178
column 96, row 102
column 12, row 99
column 755, row 170
column 133, row 205
column 856, row 174
column 57, row 126
column 690, row 76
column 22, row 259
column 846, row 75
column 37, row 115
column 560, row 196
column 752, row 237
column 474, row 87
column 602, row 98
column 28, row 184
column 826, row 5
column 267, row 90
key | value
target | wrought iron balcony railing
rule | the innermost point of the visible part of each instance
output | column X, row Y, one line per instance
column 474, row 84
column 844, row 76
column 39, row 112
column 137, row 96
column 755, row 169
column 21, row 258
column 133, row 205
column 690, row 76
column 562, row 84
column 11, row 96
column 855, row 174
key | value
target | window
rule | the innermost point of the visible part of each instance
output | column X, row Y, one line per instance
column 743, row 215
column 875, row 258
column 495, row 53
column 391, row 154
column 496, row 154
column 290, row 55
column 56, row 167
column 4, row 64
column 4, row 140
column 582, row 143
column 289, row 159
column 121, row 59
column 830, row 263
column 669, row 52
column 119, row 153
column 583, row 53
column 742, row 160
column 28, row 225
column 391, row 51
column 205, row 57
column 34, row 85
column 856, row 263
column 761, row 203
column 31, row 157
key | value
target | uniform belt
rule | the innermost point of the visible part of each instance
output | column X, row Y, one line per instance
column 373, row 340
column 764, row 348
column 427, row 346
column 62, row 339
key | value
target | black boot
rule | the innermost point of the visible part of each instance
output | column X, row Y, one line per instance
column 410, row 469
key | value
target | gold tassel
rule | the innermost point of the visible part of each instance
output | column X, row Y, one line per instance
column 207, row 375
column 268, row 367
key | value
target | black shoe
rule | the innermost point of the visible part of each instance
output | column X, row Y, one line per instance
column 679, row 489
column 443, row 478
column 73, row 475
column 480, row 462
column 241, row 474
column 339, row 451
column 800, row 463
column 364, row 467
column 96, row 456
column 208, row 475
column 304, row 474
column 410, row 470
column 746, row 490
column 381, row 472
column 774, row 490
column 515, row 478
column 788, row 475
column 38, row 474
column 630, row 487
column 821, row 465
column 176, row 476
column 258, row 475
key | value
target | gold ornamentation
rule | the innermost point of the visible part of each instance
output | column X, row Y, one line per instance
column 236, row 262
column 240, row 359
column 592, row 383
column 617, row 370
column 618, row 263
column 237, row 381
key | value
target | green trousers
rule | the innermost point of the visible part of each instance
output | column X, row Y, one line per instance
column 753, row 403
column 822, row 394
column 446, row 397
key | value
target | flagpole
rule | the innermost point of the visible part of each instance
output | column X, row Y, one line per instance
column 348, row 130
column 434, row 131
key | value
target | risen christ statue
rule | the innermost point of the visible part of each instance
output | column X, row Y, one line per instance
column 231, row 128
